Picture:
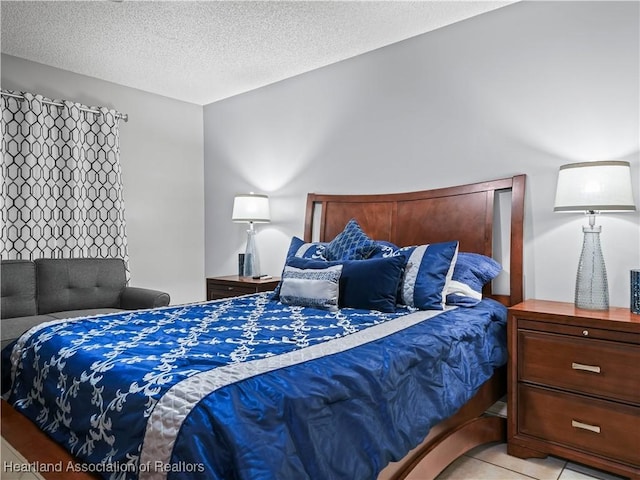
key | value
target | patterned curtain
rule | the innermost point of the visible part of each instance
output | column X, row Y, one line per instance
column 61, row 187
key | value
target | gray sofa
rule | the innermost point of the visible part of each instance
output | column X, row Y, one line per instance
column 47, row 289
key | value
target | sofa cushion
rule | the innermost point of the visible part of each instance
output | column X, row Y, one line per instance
column 18, row 288
column 79, row 283
column 12, row 328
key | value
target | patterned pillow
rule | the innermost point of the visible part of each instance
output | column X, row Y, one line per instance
column 298, row 248
column 350, row 244
column 365, row 284
column 471, row 273
column 427, row 274
column 317, row 288
column 383, row 249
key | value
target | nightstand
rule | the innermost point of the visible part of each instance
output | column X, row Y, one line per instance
column 234, row 286
column 574, row 385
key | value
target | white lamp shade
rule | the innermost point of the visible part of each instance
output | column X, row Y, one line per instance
column 251, row 208
column 594, row 186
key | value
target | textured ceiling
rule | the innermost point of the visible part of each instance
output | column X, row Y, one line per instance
column 205, row 51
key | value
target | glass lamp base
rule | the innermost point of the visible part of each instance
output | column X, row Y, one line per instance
column 251, row 260
column 592, row 290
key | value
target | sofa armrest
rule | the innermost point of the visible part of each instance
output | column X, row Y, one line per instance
column 133, row 298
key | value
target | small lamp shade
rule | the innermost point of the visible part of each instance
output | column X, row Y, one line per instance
column 251, row 208
column 594, row 187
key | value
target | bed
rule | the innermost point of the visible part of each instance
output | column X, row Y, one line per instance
column 322, row 400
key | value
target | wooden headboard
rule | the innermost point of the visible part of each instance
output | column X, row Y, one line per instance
column 467, row 213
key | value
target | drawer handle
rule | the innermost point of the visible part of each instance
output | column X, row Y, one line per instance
column 585, row 368
column 585, row 426
column 229, row 288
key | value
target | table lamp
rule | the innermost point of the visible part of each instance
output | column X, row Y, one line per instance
column 593, row 187
column 251, row 208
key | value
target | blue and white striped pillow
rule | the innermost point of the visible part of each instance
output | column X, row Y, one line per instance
column 427, row 274
column 313, row 250
column 317, row 288
column 383, row 249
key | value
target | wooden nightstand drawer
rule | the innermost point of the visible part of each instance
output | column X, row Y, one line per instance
column 223, row 291
column 234, row 286
column 596, row 367
column 580, row 331
column 596, row 426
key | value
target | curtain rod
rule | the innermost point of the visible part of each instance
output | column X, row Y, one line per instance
column 123, row 116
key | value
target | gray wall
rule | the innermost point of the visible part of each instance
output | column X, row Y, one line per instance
column 523, row 89
column 161, row 152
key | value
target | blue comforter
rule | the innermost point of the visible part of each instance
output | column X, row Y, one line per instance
column 250, row 388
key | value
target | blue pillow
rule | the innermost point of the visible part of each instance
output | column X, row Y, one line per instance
column 350, row 244
column 366, row 284
column 428, row 271
column 472, row 272
column 317, row 288
column 383, row 249
column 298, row 248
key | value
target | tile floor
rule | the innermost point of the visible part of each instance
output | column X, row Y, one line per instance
column 487, row 462
column 10, row 456
column 491, row 462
